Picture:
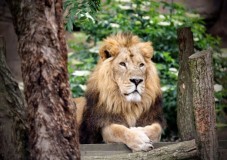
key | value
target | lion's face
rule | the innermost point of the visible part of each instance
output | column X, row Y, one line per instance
column 129, row 73
column 125, row 81
column 125, row 75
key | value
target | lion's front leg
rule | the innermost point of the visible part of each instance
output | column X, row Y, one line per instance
column 135, row 139
column 153, row 131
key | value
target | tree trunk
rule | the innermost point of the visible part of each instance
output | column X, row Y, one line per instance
column 12, row 115
column 52, row 127
column 183, row 150
column 204, row 104
column 185, row 117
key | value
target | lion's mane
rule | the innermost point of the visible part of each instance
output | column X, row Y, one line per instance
column 105, row 105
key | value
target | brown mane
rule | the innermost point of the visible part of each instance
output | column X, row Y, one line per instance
column 105, row 105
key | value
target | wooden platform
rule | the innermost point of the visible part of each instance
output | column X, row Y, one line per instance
column 222, row 149
column 95, row 150
column 88, row 150
column 222, row 137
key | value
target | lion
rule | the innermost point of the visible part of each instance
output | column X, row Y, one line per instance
column 123, row 100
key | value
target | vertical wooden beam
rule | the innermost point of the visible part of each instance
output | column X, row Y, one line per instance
column 185, row 117
column 204, row 104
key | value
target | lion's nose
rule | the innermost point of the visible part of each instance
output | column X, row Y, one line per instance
column 136, row 81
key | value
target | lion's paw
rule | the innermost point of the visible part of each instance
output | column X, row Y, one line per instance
column 139, row 140
column 140, row 132
column 145, row 147
column 139, row 129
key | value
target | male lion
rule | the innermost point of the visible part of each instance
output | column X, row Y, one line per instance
column 123, row 99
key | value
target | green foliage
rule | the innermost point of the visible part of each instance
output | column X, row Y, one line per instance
column 80, row 10
column 82, row 59
column 143, row 18
column 221, row 108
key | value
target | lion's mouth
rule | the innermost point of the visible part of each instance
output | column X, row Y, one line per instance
column 133, row 96
column 135, row 91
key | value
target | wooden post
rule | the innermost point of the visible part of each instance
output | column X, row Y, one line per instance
column 204, row 104
column 185, row 117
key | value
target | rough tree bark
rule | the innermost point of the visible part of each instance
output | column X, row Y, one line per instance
column 185, row 116
column 204, row 104
column 12, row 116
column 42, row 48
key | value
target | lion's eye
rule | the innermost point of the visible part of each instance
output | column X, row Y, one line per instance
column 122, row 64
column 141, row 64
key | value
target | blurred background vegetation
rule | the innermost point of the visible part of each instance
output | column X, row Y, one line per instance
column 89, row 21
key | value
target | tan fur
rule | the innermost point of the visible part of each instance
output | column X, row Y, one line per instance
column 124, row 58
column 109, row 91
column 152, row 131
column 120, row 134
column 80, row 104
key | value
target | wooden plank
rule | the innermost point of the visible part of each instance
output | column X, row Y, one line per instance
column 102, row 153
column 103, row 149
column 222, row 154
column 222, row 144
column 88, row 150
column 171, row 151
column 115, row 149
column 111, row 149
column 116, row 146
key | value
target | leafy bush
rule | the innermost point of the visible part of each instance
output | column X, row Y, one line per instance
column 80, row 10
column 152, row 21
column 81, row 61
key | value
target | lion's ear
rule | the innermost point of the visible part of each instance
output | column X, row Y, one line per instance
column 147, row 49
column 108, row 51
column 107, row 54
column 104, row 53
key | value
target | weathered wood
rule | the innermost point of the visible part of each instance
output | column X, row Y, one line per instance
column 90, row 150
column 12, row 115
column 185, row 117
column 204, row 104
column 181, row 150
column 222, row 154
column 53, row 132
column 112, row 148
column 103, row 149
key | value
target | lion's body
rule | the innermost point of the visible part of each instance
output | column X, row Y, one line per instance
column 123, row 97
